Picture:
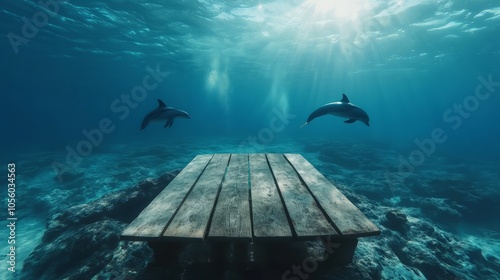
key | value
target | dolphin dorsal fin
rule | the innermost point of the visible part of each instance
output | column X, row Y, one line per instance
column 344, row 99
column 161, row 104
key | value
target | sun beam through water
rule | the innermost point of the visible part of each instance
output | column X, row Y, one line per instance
column 338, row 9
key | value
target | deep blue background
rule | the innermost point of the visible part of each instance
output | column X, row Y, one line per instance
column 65, row 79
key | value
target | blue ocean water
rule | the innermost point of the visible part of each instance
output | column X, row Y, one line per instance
column 78, row 77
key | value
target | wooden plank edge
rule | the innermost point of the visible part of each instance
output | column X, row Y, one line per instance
column 187, row 194
column 273, row 239
column 285, row 209
column 229, row 238
column 180, row 239
column 239, row 239
column 266, row 239
column 252, row 233
column 209, row 222
column 254, row 236
column 126, row 236
column 330, row 220
column 318, row 204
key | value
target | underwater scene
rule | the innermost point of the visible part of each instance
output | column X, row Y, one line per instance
column 395, row 102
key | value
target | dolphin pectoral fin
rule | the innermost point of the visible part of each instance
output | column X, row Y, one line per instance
column 350, row 121
column 306, row 123
column 169, row 123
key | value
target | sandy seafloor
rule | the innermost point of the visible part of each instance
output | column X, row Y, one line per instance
column 451, row 231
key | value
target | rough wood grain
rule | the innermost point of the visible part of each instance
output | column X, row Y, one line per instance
column 308, row 220
column 184, row 208
column 345, row 215
column 231, row 217
column 192, row 219
column 268, row 215
column 152, row 220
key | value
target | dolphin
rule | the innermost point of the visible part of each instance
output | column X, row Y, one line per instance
column 163, row 113
column 344, row 109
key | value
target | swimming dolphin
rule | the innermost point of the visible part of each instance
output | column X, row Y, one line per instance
column 344, row 109
column 163, row 113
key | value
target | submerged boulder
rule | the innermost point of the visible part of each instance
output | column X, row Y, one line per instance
column 84, row 240
column 123, row 206
column 395, row 220
column 80, row 252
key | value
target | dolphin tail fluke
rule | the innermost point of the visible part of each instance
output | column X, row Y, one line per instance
column 306, row 123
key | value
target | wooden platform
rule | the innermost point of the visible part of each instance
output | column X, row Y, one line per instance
column 249, row 197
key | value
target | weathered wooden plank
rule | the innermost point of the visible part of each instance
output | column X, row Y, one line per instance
column 192, row 219
column 153, row 219
column 231, row 217
column 268, row 215
column 308, row 220
column 345, row 215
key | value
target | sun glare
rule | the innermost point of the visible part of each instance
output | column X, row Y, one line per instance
column 340, row 9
